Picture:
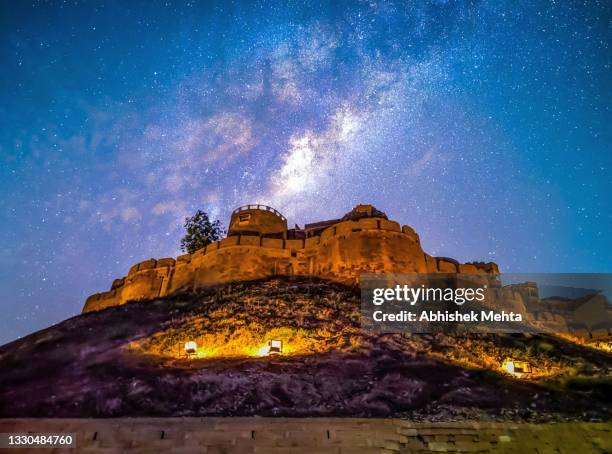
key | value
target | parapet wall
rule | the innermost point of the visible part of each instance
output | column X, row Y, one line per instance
column 341, row 253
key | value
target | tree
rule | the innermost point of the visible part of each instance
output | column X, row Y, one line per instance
column 200, row 232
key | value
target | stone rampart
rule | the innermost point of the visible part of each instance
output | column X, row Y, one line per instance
column 341, row 253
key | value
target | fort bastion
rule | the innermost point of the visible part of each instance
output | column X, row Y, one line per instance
column 259, row 245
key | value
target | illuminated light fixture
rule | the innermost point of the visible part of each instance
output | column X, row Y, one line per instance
column 518, row 368
column 275, row 347
column 191, row 348
column 272, row 347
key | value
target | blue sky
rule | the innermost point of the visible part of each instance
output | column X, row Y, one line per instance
column 484, row 125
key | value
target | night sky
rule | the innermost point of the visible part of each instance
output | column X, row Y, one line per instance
column 484, row 125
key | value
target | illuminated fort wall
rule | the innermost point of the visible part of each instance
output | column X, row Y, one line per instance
column 340, row 253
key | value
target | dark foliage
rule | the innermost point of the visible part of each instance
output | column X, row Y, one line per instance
column 200, row 232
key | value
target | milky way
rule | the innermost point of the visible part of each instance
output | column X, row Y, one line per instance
column 483, row 125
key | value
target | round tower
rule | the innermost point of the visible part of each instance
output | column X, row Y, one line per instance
column 257, row 220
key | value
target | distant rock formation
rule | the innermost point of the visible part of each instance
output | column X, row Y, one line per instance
column 259, row 245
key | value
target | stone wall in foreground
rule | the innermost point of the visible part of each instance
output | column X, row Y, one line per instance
column 330, row 435
column 341, row 253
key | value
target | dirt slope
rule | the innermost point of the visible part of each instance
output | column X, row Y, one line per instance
column 125, row 361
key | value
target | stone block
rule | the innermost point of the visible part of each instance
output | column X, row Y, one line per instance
column 294, row 244
column 168, row 261
column 202, row 252
column 432, row 264
column 344, row 228
column 311, row 242
column 184, row 258
column 92, row 298
column 147, row 265
column 407, row 230
column 468, row 269
column 444, row 266
column 182, row 277
column 117, row 283
column 133, row 270
column 274, row 243
column 488, row 267
column 229, row 241
column 389, row 225
column 249, row 240
column 368, row 223
column 328, row 233
column 101, row 301
column 146, row 284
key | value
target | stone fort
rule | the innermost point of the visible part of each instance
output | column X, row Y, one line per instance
column 259, row 244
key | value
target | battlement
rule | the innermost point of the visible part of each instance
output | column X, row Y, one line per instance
column 258, row 207
column 257, row 246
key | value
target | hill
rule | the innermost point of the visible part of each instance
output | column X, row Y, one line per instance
column 128, row 361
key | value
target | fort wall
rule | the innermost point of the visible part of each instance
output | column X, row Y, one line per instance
column 341, row 253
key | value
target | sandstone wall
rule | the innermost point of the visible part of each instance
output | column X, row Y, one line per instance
column 366, row 246
column 341, row 253
column 258, row 220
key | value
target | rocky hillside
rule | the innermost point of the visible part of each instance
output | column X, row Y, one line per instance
column 129, row 361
